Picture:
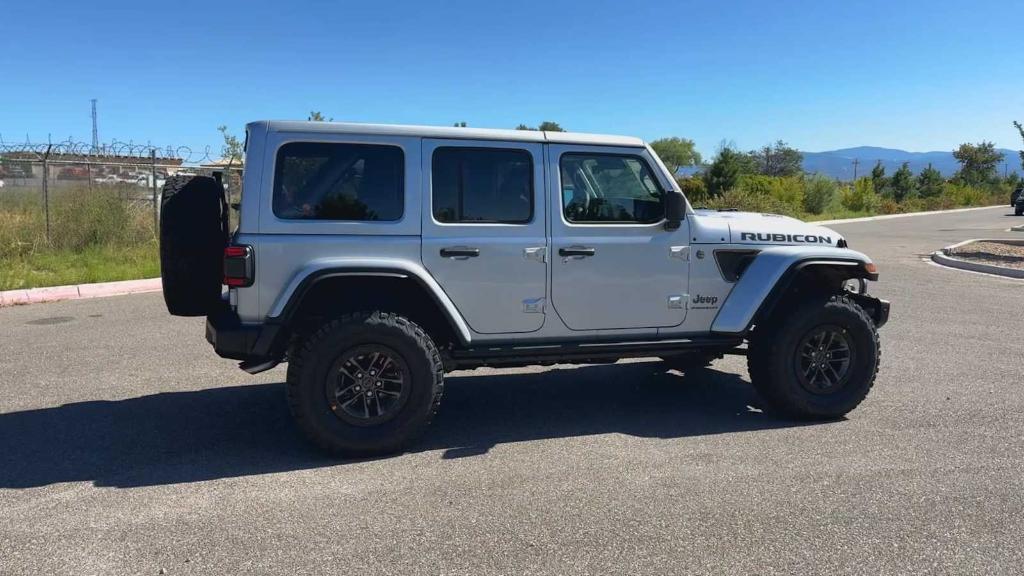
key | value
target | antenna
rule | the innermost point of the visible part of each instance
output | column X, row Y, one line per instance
column 95, row 133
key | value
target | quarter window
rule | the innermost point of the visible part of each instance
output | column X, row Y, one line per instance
column 609, row 188
column 482, row 185
column 323, row 181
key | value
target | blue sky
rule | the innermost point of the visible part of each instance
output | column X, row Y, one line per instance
column 820, row 75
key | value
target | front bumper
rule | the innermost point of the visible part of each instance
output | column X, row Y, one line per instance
column 247, row 342
column 877, row 308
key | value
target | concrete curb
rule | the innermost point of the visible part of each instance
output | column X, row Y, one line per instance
column 942, row 257
column 78, row 292
column 907, row 215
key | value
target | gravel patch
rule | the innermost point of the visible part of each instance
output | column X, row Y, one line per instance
column 994, row 253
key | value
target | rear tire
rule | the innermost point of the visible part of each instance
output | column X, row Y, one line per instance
column 365, row 384
column 817, row 360
column 192, row 238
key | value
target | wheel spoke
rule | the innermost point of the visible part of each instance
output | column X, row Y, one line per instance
column 367, row 385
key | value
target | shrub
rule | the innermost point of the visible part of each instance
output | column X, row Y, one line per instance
column 860, row 197
column 80, row 219
column 746, row 201
column 889, row 206
column 963, row 195
column 818, row 193
column 694, row 189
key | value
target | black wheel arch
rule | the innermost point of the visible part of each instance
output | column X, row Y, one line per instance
column 331, row 292
column 816, row 277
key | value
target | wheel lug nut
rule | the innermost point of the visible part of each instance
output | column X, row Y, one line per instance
column 379, row 384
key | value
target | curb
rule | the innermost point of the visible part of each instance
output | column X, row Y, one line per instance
column 906, row 215
column 78, row 292
column 942, row 257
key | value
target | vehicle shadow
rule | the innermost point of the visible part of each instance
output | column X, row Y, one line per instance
column 234, row 431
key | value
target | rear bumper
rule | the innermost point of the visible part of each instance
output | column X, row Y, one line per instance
column 247, row 342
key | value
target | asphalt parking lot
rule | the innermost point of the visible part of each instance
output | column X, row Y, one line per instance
column 127, row 447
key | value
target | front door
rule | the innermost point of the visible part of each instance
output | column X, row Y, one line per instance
column 483, row 231
column 614, row 265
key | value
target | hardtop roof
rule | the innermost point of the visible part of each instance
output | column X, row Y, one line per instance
column 449, row 132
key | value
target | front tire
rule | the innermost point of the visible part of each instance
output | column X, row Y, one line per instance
column 365, row 384
column 816, row 361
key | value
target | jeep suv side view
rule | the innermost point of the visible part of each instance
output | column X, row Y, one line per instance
column 374, row 259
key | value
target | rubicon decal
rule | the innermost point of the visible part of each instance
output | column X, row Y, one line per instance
column 775, row 237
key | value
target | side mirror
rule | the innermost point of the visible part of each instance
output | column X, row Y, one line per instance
column 675, row 210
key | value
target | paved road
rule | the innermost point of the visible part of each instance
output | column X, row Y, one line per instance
column 127, row 448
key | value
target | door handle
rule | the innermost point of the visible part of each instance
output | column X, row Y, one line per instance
column 460, row 252
column 576, row 251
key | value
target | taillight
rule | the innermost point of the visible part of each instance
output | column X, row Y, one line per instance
column 239, row 265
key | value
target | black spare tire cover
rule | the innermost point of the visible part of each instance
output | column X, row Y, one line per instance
column 193, row 233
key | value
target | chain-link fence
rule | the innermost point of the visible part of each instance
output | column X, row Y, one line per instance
column 55, row 179
column 75, row 200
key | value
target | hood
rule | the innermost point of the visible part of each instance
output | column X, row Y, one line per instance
column 757, row 228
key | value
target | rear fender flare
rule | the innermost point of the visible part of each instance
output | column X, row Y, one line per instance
column 290, row 299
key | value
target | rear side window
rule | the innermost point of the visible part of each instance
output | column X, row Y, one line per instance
column 321, row 181
column 482, row 185
column 609, row 188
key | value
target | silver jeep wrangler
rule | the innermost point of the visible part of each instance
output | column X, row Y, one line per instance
column 376, row 258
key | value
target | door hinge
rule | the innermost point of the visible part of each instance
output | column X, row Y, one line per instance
column 538, row 253
column 533, row 306
column 681, row 252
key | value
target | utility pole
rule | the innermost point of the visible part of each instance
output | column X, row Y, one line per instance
column 95, row 133
column 856, row 162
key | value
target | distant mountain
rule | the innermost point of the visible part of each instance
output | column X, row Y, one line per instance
column 839, row 163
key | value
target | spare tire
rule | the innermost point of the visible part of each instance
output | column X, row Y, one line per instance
column 193, row 233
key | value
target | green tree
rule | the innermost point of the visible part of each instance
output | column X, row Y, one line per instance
column 460, row 124
column 979, row 163
column 878, row 180
column 315, row 116
column 861, row 196
column 778, row 159
column 546, row 126
column 693, row 188
column 819, row 191
column 676, row 152
column 724, row 172
column 1020, row 129
column 929, row 182
column 232, row 147
column 902, row 185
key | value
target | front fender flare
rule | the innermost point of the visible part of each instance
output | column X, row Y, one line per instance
column 317, row 270
column 770, row 273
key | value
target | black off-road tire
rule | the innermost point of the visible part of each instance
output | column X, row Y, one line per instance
column 774, row 347
column 310, row 368
column 1018, row 211
column 193, row 233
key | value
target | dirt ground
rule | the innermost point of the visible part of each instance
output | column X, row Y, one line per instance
column 994, row 253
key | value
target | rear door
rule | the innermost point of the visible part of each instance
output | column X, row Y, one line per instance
column 484, row 230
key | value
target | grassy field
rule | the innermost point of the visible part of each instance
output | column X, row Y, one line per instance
column 96, row 236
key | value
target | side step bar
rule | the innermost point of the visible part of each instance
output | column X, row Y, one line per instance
column 585, row 352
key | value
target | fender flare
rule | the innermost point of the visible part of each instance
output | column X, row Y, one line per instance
column 317, row 271
column 769, row 276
